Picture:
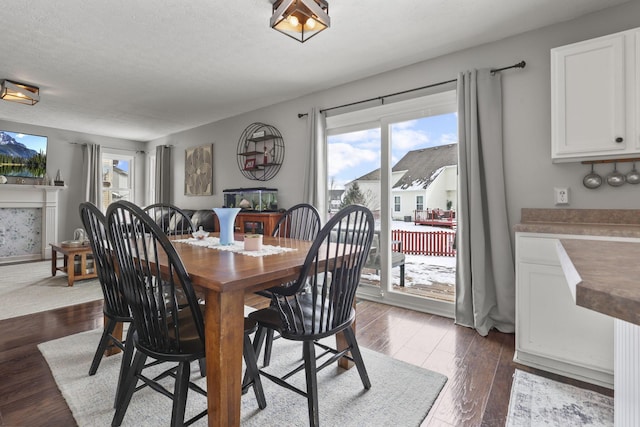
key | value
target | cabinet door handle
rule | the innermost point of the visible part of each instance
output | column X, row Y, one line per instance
column 619, row 139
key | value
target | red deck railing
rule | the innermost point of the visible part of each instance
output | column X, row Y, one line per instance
column 435, row 217
column 433, row 243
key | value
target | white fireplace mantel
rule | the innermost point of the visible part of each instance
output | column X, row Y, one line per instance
column 44, row 197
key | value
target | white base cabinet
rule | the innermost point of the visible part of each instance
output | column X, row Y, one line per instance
column 552, row 332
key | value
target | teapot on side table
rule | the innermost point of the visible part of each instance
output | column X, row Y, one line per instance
column 80, row 235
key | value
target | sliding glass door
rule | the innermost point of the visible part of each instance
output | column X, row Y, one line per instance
column 400, row 160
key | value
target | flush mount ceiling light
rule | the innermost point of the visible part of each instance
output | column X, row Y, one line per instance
column 19, row 92
column 300, row 19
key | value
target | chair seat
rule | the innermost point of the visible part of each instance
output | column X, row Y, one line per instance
column 190, row 342
column 397, row 259
column 250, row 325
column 189, row 339
column 270, row 318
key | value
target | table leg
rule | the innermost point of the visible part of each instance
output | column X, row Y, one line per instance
column 224, row 333
column 54, row 262
column 83, row 264
column 70, row 262
column 341, row 343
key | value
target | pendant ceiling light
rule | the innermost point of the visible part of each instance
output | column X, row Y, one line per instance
column 19, row 92
column 300, row 19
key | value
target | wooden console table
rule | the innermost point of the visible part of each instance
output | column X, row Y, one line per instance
column 70, row 253
column 255, row 222
column 258, row 222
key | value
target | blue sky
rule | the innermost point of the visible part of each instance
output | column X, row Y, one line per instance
column 124, row 165
column 37, row 143
column 354, row 154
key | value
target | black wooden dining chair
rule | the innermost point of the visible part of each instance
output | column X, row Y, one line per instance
column 115, row 307
column 167, row 316
column 320, row 303
column 301, row 221
column 171, row 219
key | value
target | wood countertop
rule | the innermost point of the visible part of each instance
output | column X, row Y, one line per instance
column 604, row 276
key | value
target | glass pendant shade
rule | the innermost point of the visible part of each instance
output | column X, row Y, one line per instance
column 300, row 19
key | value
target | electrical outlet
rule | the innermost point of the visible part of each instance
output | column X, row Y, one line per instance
column 562, row 195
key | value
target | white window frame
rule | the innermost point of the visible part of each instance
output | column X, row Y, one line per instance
column 383, row 117
column 420, row 202
column 108, row 155
column 397, row 204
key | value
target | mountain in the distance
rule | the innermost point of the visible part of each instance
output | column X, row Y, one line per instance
column 10, row 147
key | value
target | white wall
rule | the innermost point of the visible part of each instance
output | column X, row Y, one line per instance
column 407, row 203
column 442, row 189
column 224, row 135
column 530, row 175
column 63, row 155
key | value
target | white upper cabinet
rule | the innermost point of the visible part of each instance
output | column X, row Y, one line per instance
column 595, row 97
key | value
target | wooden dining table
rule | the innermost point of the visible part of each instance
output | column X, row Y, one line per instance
column 224, row 277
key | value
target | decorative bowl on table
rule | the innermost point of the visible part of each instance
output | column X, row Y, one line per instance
column 200, row 234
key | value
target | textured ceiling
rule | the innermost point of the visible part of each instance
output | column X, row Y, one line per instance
column 143, row 69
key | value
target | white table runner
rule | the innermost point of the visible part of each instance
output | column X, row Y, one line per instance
column 237, row 247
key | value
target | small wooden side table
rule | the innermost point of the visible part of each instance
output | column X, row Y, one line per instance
column 70, row 253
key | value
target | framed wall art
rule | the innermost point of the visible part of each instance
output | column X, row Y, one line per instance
column 198, row 171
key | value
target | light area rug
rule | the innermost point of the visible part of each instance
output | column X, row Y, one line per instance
column 401, row 394
column 29, row 288
column 538, row 401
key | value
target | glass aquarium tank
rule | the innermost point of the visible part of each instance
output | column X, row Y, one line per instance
column 258, row 199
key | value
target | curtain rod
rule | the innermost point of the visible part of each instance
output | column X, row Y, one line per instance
column 520, row 64
column 113, row 148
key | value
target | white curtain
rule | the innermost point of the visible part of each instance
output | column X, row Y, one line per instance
column 315, row 181
column 163, row 174
column 92, row 173
column 485, row 282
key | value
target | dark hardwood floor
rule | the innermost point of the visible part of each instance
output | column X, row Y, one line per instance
column 479, row 368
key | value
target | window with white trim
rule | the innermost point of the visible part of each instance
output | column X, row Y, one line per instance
column 377, row 147
column 117, row 178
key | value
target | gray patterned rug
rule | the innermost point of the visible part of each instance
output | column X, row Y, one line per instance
column 538, row 401
column 401, row 394
column 29, row 288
